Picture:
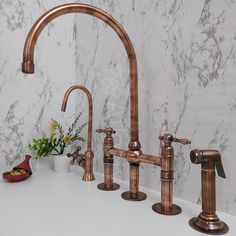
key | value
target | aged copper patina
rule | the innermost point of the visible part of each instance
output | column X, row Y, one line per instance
column 84, row 160
column 134, row 154
column 165, row 161
column 39, row 25
column 28, row 54
column 108, row 161
column 208, row 222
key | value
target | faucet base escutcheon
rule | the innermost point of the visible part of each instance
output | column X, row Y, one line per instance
column 173, row 210
column 104, row 187
column 139, row 196
column 88, row 177
column 213, row 227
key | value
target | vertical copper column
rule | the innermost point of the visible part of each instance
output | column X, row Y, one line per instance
column 166, row 206
column 134, row 194
column 134, row 180
column 108, row 160
column 208, row 189
column 167, row 180
column 208, row 222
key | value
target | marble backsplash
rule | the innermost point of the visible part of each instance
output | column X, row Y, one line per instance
column 186, row 60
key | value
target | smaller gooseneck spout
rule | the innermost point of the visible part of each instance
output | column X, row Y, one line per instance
column 87, row 161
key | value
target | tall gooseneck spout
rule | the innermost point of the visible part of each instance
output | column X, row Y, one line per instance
column 134, row 155
column 28, row 57
column 85, row 160
column 90, row 110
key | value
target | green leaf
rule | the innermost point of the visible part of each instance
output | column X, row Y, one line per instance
column 55, row 145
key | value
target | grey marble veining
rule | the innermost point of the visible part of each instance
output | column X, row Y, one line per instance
column 186, row 61
column 28, row 104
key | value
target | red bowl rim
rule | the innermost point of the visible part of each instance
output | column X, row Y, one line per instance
column 15, row 178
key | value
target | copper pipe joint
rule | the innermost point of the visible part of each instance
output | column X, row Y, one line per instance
column 136, row 156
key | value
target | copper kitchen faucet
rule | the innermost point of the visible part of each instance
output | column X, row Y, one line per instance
column 39, row 25
column 165, row 161
column 84, row 160
column 134, row 154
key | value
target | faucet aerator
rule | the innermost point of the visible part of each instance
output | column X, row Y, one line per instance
column 28, row 67
column 63, row 109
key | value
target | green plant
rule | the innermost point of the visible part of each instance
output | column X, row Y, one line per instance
column 58, row 141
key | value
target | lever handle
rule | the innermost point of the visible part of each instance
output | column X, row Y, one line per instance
column 183, row 141
column 220, row 170
column 108, row 131
column 207, row 157
column 74, row 153
column 76, row 157
column 168, row 139
column 100, row 131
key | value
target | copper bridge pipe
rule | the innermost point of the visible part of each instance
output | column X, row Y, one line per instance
column 39, row 25
column 165, row 161
column 135, row 158
column 149, row 159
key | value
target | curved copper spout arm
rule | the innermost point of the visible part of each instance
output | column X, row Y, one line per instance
column 28, row 57
column 84, row 160
column 90, row 110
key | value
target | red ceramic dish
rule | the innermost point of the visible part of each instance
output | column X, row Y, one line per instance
column 15, row 178
column 22, row 166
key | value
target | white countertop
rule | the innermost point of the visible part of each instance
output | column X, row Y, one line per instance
column 50, row 204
